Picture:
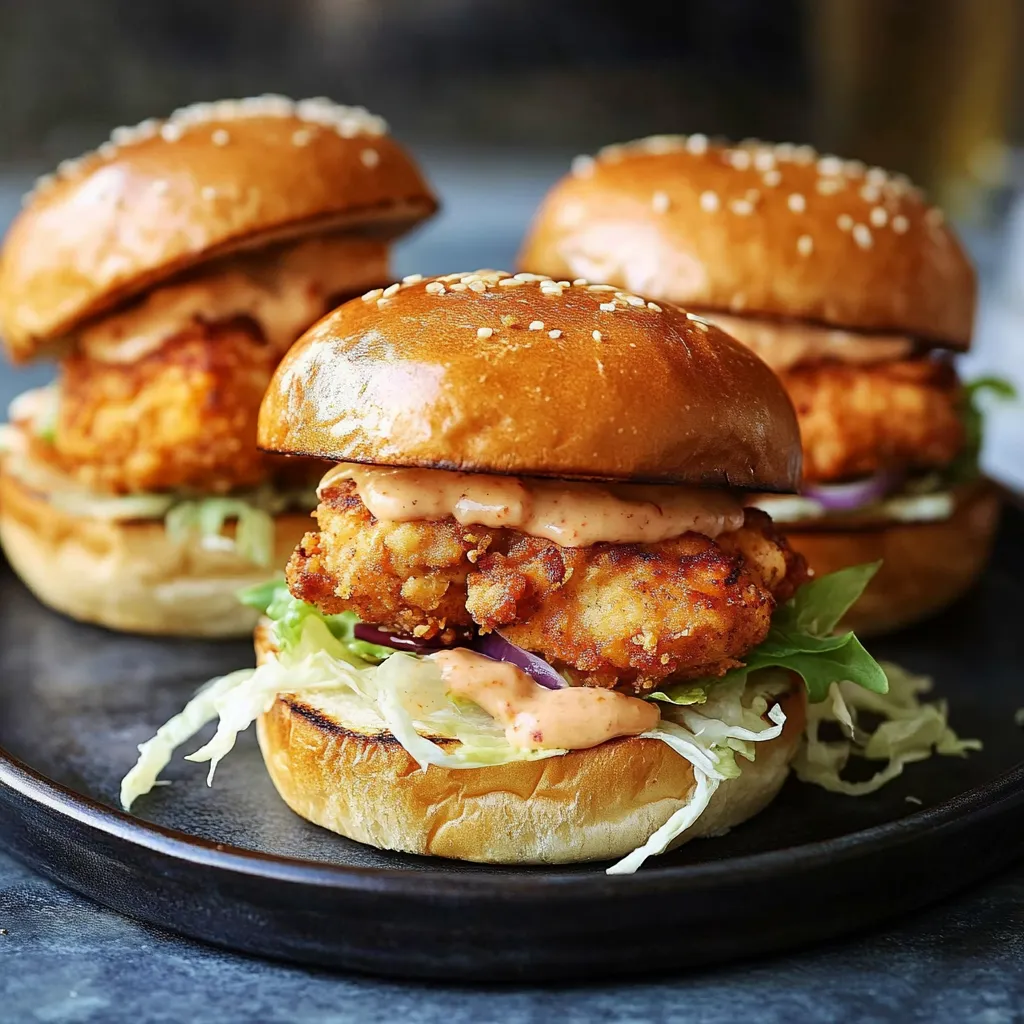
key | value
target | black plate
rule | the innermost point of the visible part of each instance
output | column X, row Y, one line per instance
column 233, row 866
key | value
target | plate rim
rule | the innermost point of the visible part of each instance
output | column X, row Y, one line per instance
column 955, row 812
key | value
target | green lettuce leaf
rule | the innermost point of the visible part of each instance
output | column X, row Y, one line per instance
column 290, row 615
column 801, row 640
column 965, row 466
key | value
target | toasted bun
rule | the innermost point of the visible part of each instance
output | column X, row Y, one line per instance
column 130, row 576
column 762, row 230
column 211, row 179
column 462, row 372
column 925, row 566
column 595, row 804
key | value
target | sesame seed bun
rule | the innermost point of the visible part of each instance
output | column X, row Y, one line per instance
column 770, row 231
column 211, row 179
column 131, row 575
column 596, row 804
column 527, row 376
column 925, row 566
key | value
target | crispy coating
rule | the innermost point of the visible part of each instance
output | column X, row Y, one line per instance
column 182, row 417
column 625, row 615
column 859, row 420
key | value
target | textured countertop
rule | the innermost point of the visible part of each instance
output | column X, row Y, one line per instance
column 64, row 960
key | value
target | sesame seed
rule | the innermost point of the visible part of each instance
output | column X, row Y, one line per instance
column 741, row 207
column 608, row 307
column 854, row 168
column 805, row 245
column 208, row 192
column 660, row 202
column 376, row 293
column 537, row 325
column 525, row 276
column 369, row 157
column 772, row 178
column 170, row 132
column 301, row 137
column 764, row 160
column 695, row 318
column 510, row 282
column 220, row 137
column 879, row 217
column 381, row 303
column 862, row 235
column 635, row 300
column 596, row 335
column 797, row 203
column 900, row 224
column 484, row 332
column 739, row 158
column 554, row 334
column 654, row 306
column 580, row 281
column 477, row 286
column 845, row 222
column 784, row 150
column 412, row 278
column 828, row 186
column 870, row 193
column 697, row 143
column 803, row 154
column 830, row 165
column 458, row 287
column 435, row 288
column 583, row 166
column 701, row 325
column 709, row 201
column 391, row 290
column 601, row 288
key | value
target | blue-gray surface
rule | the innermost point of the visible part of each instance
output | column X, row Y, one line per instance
column 64, row 960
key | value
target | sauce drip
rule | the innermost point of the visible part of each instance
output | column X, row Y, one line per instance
column 567, row 513
column 784, row 346
column 535, row 717
column 284, row 292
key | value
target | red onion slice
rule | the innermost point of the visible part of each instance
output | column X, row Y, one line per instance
column 373, row 635
column 494, row 645
column 852, row 496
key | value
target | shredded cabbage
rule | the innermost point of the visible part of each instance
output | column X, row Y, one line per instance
column 910, row 730
column 405, row 695
column 206, row 517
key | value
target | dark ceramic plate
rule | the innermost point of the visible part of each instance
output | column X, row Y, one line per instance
column 234, row 866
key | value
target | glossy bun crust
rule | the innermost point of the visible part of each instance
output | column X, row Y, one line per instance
column 596, row 804
column 532, row 378
column 211, row 179
column 925, row 566
column 760, row 230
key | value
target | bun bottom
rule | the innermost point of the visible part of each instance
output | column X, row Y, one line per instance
column 130, row 575
column 925, row 566
column 596, row 804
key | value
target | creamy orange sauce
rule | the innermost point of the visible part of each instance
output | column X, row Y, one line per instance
column 284, row 292
column 537, row 718
column 786, row 345
column 570, row 514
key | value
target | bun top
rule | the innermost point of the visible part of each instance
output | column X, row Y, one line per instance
column 212, row 178
column 527, row 376
column 760, row 230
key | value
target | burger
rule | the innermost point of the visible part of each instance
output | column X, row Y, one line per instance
column 535, row 622
column 855, row 292
column 168, row 273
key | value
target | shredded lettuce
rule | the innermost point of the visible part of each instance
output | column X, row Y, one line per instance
column 405, row 695
column 909, row 730
column 801, row 639
column 206, row 518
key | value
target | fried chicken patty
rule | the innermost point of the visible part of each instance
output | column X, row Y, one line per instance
column 615, row 615
column 182, row 417
column 859, row 420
